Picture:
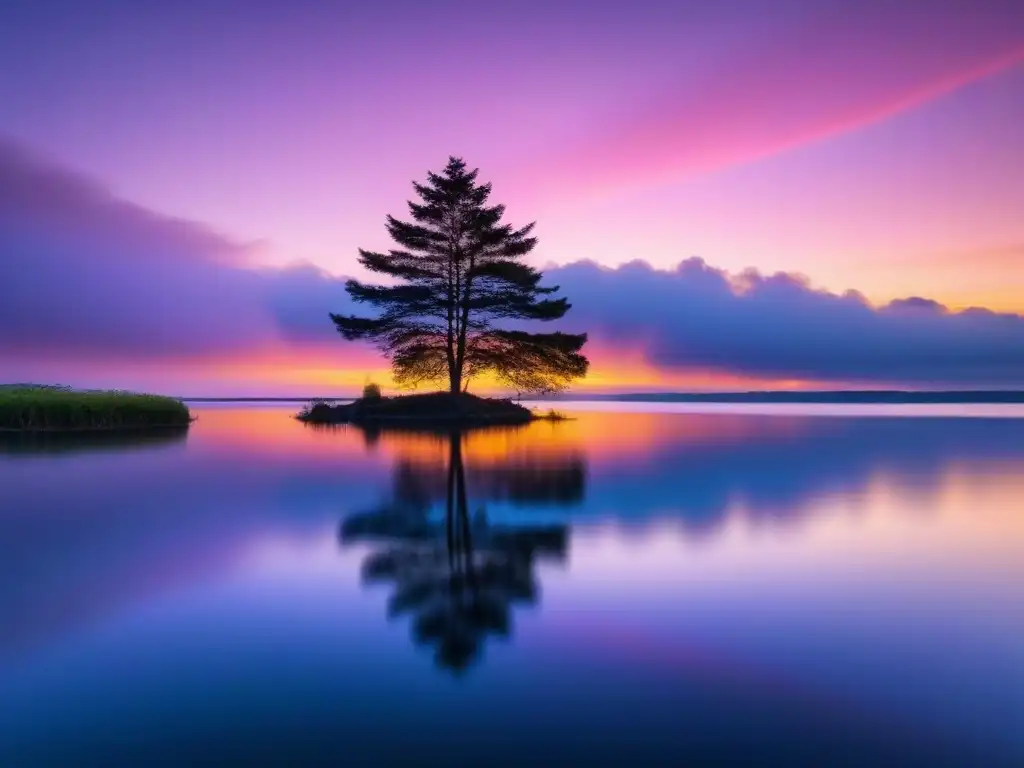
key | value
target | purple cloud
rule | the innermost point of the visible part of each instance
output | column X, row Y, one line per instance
column 83, row 271
column 780, row 326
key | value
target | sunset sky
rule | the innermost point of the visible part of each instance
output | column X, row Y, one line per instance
column 733, row 195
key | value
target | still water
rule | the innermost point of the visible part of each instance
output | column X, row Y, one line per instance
column 651, row 585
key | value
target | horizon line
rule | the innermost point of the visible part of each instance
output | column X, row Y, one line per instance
column 930, row 395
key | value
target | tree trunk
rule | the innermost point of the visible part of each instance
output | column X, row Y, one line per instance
column 462, row 325
column 453, row 376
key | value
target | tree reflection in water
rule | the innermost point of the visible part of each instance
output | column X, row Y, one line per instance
column 459, row 575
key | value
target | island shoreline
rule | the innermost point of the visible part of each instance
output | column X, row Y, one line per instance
column 424, row 411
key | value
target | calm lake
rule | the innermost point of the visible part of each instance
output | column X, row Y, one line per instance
column 644, row 585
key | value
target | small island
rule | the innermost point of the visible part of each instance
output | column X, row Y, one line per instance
column 436, row 409
column 30, row 408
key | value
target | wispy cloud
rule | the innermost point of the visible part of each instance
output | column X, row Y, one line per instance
column 845, row 65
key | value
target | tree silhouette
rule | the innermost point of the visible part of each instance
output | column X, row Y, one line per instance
column 457, row 273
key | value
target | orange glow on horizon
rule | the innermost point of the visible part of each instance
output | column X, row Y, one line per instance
column 342, row 371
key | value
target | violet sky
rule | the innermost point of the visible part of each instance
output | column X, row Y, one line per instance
column 236, row 154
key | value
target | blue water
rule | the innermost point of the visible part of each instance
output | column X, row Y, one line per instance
column 649, row 585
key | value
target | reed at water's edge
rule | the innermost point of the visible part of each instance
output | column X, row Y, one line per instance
column 27, row 408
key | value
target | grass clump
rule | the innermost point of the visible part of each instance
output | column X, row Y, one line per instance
column 28, row 408
column 552, row 415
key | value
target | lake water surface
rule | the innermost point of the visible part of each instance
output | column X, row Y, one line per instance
column 642, row 585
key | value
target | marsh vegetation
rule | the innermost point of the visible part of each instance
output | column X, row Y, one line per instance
column 35, row 408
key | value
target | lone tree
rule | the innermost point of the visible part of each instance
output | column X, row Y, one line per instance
column 457, row 273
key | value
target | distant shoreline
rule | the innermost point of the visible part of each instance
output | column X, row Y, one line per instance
column 860, row 397
column 870, row 397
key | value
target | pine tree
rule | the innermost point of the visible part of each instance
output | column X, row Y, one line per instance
column 458, row 276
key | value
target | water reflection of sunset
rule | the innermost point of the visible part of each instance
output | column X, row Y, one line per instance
column 960, row 517
column 735, row 479
column 268, row 430
column 602, row 436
